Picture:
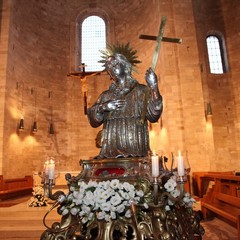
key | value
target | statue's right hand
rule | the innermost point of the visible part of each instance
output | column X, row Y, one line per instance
column 113, row 105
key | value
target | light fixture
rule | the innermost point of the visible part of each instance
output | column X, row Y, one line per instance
column 209, row 110
column 34, row 126
column 51, row 125
column 51, row 128
column 21, row 123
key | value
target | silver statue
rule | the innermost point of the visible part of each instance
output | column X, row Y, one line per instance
column 124, row 109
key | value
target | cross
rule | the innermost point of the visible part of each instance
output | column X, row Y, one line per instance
column 83, row 77
column 158, row 40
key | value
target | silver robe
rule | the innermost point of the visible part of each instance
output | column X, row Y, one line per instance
column 125, row 131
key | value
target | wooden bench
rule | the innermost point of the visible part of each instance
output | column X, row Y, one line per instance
column 10, row 188
column 200, row 181
column 222, row 201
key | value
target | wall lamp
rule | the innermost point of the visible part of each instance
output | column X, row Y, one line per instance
column 34, row 127
column 21, row 123
column 209, row 110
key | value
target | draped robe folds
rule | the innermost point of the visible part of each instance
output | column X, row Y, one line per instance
column 124, row 132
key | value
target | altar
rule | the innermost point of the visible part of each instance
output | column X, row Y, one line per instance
column 120, row 199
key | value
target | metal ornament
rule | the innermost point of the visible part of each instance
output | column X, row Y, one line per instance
column 154, row 222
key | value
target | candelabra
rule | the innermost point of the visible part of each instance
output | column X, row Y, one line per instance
column 48, row 176
column 114, row 199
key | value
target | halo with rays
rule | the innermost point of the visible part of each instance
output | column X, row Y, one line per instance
column 123, row 49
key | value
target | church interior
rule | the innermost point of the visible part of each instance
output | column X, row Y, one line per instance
column 43, row 85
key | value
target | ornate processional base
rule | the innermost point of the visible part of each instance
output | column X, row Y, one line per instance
column 113, row 199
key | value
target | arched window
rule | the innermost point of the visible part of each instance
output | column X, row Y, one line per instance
column 216, row 54
column 93, row 39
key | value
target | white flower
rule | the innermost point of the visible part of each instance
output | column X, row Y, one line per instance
column 89, row 198
column 78, row 201
column 84, row 220
column 170, row 185
column 65, row 211
column 120, row 208
column 105, row 206
column 131, row 193
column 175, row 193
column 128, row 187
column 72, row 188
column 113, row 208
column 170, row 202
column 113, row 215
column 188, row 200
column 105, row 200
column 82, row 213
column 74, row 211
column 128, row 213
column 92, row 184
column 124, row 195
column 146, row 205
column 114, row 183
column 140, row 193
column 101, row 215
column 167, row 208
column 86, row 209
column 90, row 216
column 107, row 217
column 116, row 199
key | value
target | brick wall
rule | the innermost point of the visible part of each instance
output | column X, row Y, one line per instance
column 41, row 52
column 4, row 37
column 219, row 89
column 231, row 12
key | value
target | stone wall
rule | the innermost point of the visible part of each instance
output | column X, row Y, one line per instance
column 214, row 17
column 4, row 37
column 42, row 51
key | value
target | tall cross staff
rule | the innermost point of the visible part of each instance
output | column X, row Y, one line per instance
column 158, row 40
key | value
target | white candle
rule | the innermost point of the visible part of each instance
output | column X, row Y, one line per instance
column 180, row 164
column 46, row 168
column 51, row 169
column 155, row 165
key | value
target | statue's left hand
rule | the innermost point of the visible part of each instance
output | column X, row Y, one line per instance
column 151, row 78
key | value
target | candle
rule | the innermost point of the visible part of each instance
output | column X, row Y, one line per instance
column 180, row 164
column 46, row 168
column 155, row 165
column 51, row 169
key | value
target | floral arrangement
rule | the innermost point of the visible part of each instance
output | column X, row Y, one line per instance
column 106, row 200
column 171, row 187
column 38, row 199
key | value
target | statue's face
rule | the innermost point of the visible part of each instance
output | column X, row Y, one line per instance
column 115, row 68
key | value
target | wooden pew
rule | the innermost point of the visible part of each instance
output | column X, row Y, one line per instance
column 201, row 180
column 10, row 188
column 222, row 199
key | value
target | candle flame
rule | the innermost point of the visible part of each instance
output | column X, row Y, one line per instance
column 51, row 161
column 179, row 153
